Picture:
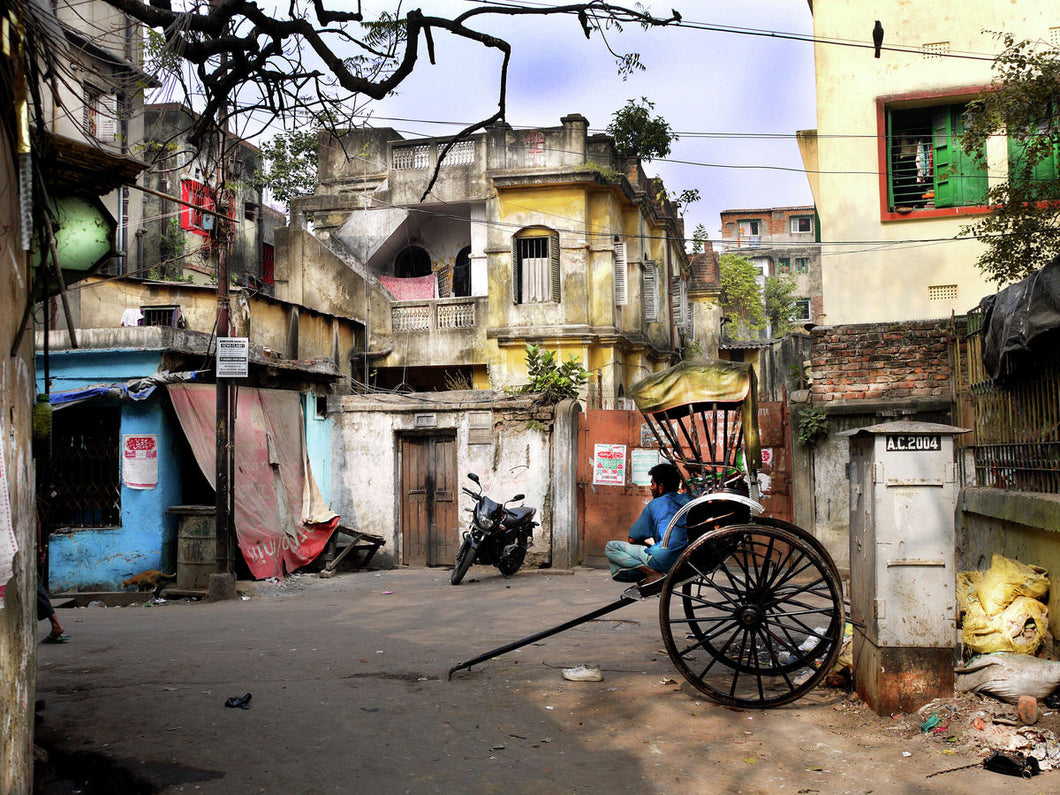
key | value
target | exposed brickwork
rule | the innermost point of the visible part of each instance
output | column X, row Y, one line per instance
column 704, row 270
column 881, row 361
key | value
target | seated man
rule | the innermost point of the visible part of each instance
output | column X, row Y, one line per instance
column 646, row 556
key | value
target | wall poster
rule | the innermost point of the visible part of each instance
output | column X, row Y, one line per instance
column 139, row 457
column 609, row 465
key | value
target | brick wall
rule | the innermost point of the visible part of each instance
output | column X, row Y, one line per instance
column 881, row 361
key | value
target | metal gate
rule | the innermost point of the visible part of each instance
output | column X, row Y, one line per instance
column 605, row 512
column 430, row 530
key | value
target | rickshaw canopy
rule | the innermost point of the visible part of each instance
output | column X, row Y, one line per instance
column 692, row 387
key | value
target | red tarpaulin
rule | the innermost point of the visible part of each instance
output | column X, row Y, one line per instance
column 280, row 517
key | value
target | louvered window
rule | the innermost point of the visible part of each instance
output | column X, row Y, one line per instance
column 621, row 266
column 101, row 115
column 650, row 292
column 679, row 303
column 535, row 268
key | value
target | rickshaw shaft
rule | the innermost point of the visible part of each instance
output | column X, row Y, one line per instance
column 620, row 602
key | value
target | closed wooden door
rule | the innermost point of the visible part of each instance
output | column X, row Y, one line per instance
column 429, row 526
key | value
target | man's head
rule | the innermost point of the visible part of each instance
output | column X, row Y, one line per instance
column 664, row 478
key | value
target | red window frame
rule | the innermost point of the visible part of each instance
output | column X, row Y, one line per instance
column 191, row 219
column 927, row 99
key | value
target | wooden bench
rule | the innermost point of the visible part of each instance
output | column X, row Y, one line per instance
column 365, row 544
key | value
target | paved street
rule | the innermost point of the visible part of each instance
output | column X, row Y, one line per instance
column 349, row 693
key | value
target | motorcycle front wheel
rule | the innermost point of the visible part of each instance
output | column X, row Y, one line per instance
column 464, row 558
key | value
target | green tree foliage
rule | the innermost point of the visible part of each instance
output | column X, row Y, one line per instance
column 780, row 304
column 740, row 294
column 698, row 236
column 290, row 164
column 638, row 134
column 554, row 381
column 1023, row 231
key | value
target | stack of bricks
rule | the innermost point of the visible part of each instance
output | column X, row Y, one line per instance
column 881, row 361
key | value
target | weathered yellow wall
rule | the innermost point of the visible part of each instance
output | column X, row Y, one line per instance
column 872, row 283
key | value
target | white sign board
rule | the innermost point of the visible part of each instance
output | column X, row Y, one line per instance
column 233, row 357
column 139, row 455
column 641, row 461
column 609, row 465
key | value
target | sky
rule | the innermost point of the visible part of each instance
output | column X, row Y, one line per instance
column 734, row 100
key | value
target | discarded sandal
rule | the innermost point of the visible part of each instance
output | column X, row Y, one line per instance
column 56, row 639
column 583, row 673
column 241, row 703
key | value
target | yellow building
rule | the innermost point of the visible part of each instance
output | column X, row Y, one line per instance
column 890, row 182
column 521, row 236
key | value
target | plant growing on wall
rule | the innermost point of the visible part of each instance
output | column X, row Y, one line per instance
column 813, row 426
column 637, row 133
column 554, row 381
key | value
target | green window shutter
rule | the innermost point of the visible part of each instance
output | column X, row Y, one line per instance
column 942, row 145
column 972, row 183
column 553, row 250
column 1043, row 174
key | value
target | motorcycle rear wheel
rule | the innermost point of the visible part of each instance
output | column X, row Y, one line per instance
column 464, row 558
column 508, row 568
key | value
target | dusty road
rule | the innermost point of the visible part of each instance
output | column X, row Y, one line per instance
column 349, row 693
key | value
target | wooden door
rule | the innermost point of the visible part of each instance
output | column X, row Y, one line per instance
column 429, row 525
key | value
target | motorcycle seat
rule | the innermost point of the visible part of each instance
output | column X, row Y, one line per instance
column 520, row 513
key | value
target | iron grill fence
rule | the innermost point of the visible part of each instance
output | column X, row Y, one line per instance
column 1015, row 443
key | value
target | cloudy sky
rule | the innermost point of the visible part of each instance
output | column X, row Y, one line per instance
column 735, row 99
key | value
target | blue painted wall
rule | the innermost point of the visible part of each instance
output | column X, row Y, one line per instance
column 318, row 446
column 100, row 558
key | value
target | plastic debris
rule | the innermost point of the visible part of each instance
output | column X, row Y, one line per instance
column 1011, row 763
column 930, row 723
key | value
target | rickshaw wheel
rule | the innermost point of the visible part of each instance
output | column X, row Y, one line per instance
column 752, row 614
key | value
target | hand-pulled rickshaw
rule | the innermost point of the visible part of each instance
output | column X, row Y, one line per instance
column 752, row 612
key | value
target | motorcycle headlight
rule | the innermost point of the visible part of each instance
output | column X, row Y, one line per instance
column 482, row 517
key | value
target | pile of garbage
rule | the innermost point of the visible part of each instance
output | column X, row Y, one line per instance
column 1003, row 608
column 1006, row 639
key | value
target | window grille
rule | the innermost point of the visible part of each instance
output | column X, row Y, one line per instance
column 802, row 264
column 86, row 462
column 462, row 154
column 650, row 290
column 802, row 311
column 784, row 265
column 621, row 267
column 1054, row 38
column 942, row 292
column 170, row 315
column 411, row 157
column 935, row 50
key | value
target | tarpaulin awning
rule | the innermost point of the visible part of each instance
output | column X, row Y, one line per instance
column 136, row 389
column 1017, row 319
column 280, row 517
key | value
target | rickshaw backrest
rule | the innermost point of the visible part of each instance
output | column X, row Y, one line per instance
column 704, row 416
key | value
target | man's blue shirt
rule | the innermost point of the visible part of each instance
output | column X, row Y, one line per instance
column 652, row 523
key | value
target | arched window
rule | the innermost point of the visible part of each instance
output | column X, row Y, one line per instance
column 462, row 274
column 535, row 266
column 412, row 262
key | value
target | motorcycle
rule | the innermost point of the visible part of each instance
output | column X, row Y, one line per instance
column 497, row 535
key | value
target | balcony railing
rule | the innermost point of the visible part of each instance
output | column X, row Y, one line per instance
column 441, row 314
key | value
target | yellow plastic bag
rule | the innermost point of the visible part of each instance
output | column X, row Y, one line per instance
column 1020, row 628
column 1006, row 579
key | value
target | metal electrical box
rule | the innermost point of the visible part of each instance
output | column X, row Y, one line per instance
column 903, row 493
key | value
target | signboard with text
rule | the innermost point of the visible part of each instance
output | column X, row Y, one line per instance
column 139, row 456
column 233, row 357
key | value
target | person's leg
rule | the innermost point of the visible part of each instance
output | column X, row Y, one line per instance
column 626, row 560
column 46, row 611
